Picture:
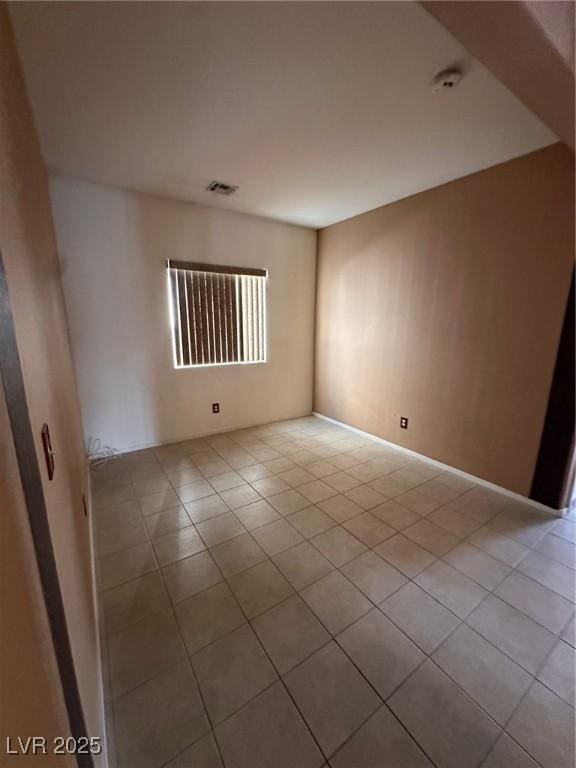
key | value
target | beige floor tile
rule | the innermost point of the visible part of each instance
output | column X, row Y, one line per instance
column 125, row 512
column 290, row 633
column 338, row 545
column 296, row 477
column 264, row 454
column 203, row 754
column 302, row 565
column 310, row 521
column 332, row 695
column 207, row 616
column 191, row 575
column 239, row 497
column 196, row 445
column 184, row 476
column 126, row 565
column 340, row 508
column 441, row 491
column 551, row 574
column 268, row 486
column 268, row 732
column 177, row 545
column 507, row 754
column 221, row 528
column 241, row 460
column 215, row 468
column 366, row 497
column 433, row 538
column 279, row 465
column 381, row 742
column 558, row 549
column 158, row 502
column 159, row 719
column 317, row 491
column 205, row 509
column 527, row 528
column 165, row 522
column 478, row 565
column 384, row 654
column 395, row 515
column 479, row 503
column 369, row 529
column 540, row 604
column 113, row 496
column 276, row 537
column 226, row 481
column 374, row 576
column 256, row 514
column 152, row 484
column 544, row 725
column 365, row 473
column 421, row 617
column 322, row 469
column 451, row 588
column 304, row 457
column 194, row 491
column 391, row 485
column 202, row 458
column 344, row 461
column 232, row 671
column 520, row 638
column 568, row 634
column 366, row 493
column 255, row 472
column 405, row 554
column 143, row 650
column 499, row 546
column 121, row 536
column 489, row 677
column 452, row 521
column 237, row 554
column 341, row 481
column 336, row 601
column 559, row 672
column 448, row 726
column 176, row 462
column 288, row 502
column 419, row 500
column 453, row 480
column 259, row 588
column 128, row 603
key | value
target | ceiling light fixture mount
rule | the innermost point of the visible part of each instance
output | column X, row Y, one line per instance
column 447, row 80
column 221, row 188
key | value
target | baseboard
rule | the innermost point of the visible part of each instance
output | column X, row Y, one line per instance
column 201, row 435
column 101, row 759
column 441, row 465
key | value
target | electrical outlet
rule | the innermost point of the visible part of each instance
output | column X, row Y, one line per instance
column 403, row 422
column 215, row 407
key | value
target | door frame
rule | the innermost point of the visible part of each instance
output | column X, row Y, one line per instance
column 31, row 480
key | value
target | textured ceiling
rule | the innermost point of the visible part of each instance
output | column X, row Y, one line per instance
column 318, row 111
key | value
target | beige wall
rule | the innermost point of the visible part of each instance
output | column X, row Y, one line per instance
column 446, row 307
column 527, row 44
column 113, row 247
column 34, row 283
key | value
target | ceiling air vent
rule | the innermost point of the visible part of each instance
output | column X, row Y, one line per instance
column 220, row 188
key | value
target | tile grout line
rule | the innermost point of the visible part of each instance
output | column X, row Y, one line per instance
column 268, row 557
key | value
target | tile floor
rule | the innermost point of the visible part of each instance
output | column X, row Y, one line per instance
column 299, row 596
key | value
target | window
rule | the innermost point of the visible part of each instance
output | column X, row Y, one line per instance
column 218, row 314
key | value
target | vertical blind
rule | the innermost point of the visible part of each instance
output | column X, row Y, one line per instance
column 218, row 314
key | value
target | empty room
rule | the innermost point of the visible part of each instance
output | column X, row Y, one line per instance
column 287, row 384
